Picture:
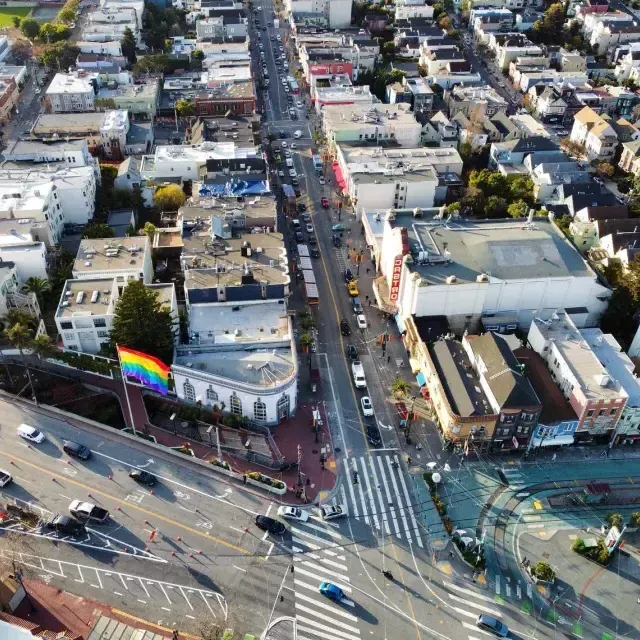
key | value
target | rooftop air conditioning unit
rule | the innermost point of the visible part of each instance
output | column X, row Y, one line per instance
column 65, row 303
column 80, row 297
column 451, row 279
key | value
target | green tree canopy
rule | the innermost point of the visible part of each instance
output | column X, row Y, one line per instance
column 128, row 45
column 66, row 15
column 108, row 175
column 37, row 286
column 198, row 54
column 30, row 28
column 141, row 322
column 98, row 230
column 21, row 51
column 169, row 198
column 15, row 21
column 51, row 33
column 518, row 209
column 495, row 207
column 155, row 63
column 60, row 55
column 521, row 188
column 185, row 108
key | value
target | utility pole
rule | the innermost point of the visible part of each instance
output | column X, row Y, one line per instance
column 299, row 466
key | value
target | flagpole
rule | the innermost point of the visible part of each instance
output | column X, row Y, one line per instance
column 126, row 393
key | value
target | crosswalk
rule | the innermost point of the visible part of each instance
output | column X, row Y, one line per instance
column 381, row 498
column 341, row 259
column 514, row 477
column 318, row 556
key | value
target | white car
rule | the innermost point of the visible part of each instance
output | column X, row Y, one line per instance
column 299, row 104
column 367, row 407
column 293, row 513
column 5, row 478
column 309, row 228
column 287, row 154
column 283, row 80
column 284, row 144
column 362, row 321
column 281, row 173
column 278, row 37
column 292, row 173
column 321, row 180
column 331, row 512
column 31, row 434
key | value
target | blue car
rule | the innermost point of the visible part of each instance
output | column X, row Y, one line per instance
column 331, row 591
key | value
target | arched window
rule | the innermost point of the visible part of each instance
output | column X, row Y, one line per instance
column 283, row 407
column 235, row 405
column 189, row 391
column 259, row 411
column 212, row 396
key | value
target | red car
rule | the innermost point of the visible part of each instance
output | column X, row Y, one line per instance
column 324, row 202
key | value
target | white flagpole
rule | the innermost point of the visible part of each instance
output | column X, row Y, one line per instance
column 126, row 393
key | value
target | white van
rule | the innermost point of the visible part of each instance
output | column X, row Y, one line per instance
column 30, row 434
column 297, row 134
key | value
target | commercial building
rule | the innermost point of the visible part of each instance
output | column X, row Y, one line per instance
column 406, row 9
column 597, row 398
column 342, row 96
column 221, row 28
column 496, row 273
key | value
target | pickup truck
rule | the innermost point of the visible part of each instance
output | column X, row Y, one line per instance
column 87, row 512
column 358, row 375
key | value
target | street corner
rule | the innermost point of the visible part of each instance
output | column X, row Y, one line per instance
column 445, row 567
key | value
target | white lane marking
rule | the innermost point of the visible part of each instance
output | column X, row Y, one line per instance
column 472, row 627
column 462, row 612
column 236, row 529
column 269, row 509
column 66, row 497
column 322, row 616
column 270, row 549
column 333, row 534
column 313, row 536
column 334, row 635
column 98, row 577
column 536, row 525
column 95, row 586
column 185, row 509
column 179, row 484
column 165, row 593
column 372, row 503
column 318, row 567
column 363, row 502
column 416, row 531
column 338, row 413
column 316, row 547
column 186, row 615
column 187, row 599
column 118, row 593
column 143, row 601
column 124, row 584
column 497, row 585
column 326, row 607
column 469, row 592
column 330, row 563
column 165, row 609
column 351, row 491
column 401, row 509
column 266, row 535
column 208, row 605
column 239, row 568
column 309, row 574
column 145, row 588
column 476, row 605
column 390, row 507
column 378, row 492
column 81, row 576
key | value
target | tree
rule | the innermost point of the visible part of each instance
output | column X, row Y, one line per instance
column 400, row 387
column 37, row 286
column 543, row 571
column 51, row 33
column 60, row 55
column 15, row 21
column 149, row 230
column 143, row 323
column 615, row 520
column 389, row 49
column 21, row 336
column 155, row 63
column 445, row 23
column 108, row 175
column 98, row 230
column 495, row 207
column 30, row 28
column 198, row 54
column 169, row 198
column 473, row 200
column 185, row 108
column 19, row 316
column 518, row 209
column 572, row 148
column 521, row 188
column 605, row 169
column 128, row 46
column 66, row 15
column 21, row 51
column 43, row 347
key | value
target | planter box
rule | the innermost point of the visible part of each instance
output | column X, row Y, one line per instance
column 266, row 487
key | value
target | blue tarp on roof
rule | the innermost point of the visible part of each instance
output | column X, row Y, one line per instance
column 236, row 188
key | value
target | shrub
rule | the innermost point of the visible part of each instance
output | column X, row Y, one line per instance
column 615, row 520
column 634, row 519
column 543, row 571
column 440, row 506
column 448, row 525
column 271, row 482
column 224, row 464
column 578, row 546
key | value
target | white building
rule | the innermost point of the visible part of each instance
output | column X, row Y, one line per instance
column 406, row 9
column 108, row 48
column 114, row 130
column 122, row 259
column 359, row 123
column 125, row 5
column 19, row 246
column 220, row 27
column 620, row 367
column 69, row 92
column 498, row 272
column 595, row 133
column 335, row 14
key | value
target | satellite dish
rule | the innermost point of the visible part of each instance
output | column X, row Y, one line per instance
column 437, row 478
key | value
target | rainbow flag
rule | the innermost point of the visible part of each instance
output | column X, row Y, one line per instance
column 146, row 369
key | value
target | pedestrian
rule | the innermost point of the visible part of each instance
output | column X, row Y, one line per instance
column 368, row 270
column 553, row 457
column 244, row 478
column 451, row 554
column 388, row 359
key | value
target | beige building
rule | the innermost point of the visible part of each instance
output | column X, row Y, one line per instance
column 9, row 96
column 595, row 133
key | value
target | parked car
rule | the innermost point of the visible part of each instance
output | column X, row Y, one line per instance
column 88, row 512
column 309, row 228
column 76, row 450
column 352, row 352
column 321, row 180
column 373, row 435
column 302, row 207
column 492, row 625
column 331, row 512
column 143, row 477
column 5, row 478
column 324, row 202
column 315, row 253
column 337, row 242
column 31, row 434
column 337, row 227
column 362, row 321
column 293, row 513
column 65, row 524
column 367, row 407
column 270, row 524
column 345, row 329
column 352, row 288
column 299, row 236
column 357, row 306
column 331, row 591
column 348, row 275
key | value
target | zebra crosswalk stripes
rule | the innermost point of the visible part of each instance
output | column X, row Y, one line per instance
column 381, row 497
column 467, row 603
column 515, row 478
column 318, row 556
column 341, row 259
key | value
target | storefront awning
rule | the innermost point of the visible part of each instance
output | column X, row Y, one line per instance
column 421, row 380
column 552, row 442
column 399, row 323
column 340, row 181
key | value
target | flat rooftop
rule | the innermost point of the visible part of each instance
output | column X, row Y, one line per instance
column 379, row 158
column 582, row 361
column 63, row 123
column 391, row 176
column 501, row 249
column 20, row 197
column 214, row 262
column 258, row 366
column 458, row 379
column 228, row 208
column 71, row 83
column 205, row 151
column 92, row 254
column 354, row 116
column 138, row 92
column 72, row 306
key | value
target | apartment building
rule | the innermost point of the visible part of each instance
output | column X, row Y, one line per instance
column 406, row 9
column 595, row 133
column 72, row 92
column 477, row 104
column 334, row 14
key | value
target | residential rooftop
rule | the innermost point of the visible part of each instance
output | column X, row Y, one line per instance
column 67, row 124
column 79, row 82
column 459, row 380
column 353, row 116
column 110, row 254
column 95, row 297
column 375, row 159
column 228, row 209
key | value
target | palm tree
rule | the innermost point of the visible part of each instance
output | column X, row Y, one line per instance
column 21, row 337
column 19, row 316
column 400, row 387
column 38, row 286
column 43, row 347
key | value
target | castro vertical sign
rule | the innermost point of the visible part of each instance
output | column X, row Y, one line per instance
column 395, row 278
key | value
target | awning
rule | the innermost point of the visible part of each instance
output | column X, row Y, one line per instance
column 340, row 181
column 399, row 323
column 421, row 380
column 552, row 442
